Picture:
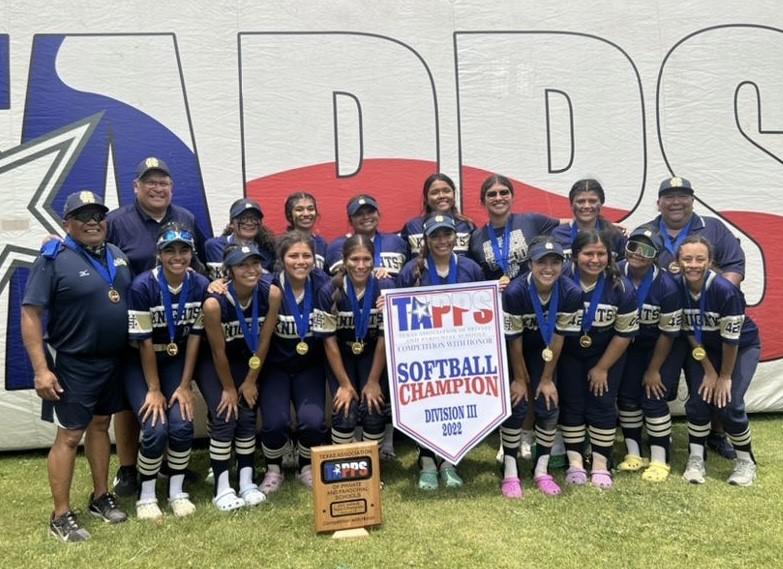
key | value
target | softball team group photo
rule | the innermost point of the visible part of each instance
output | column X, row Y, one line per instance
column 283, row 335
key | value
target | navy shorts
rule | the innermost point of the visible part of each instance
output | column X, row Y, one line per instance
column 91, row 386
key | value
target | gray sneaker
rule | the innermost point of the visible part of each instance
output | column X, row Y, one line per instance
column 694, row 470
column 66, row 528
column 105, row 507
column 744, row 473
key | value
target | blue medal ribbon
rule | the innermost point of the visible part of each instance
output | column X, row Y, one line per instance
column 546, row 325
column 376, row 245
column 644, row 288
column 598, row 292
column 173, row 319
column 249, row 333
column 361, row 314
column 301, row 319
column 107, row 273
column 501, row 254
column 435, row 278
column 672, row 246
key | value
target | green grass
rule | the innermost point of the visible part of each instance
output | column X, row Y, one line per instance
column 635, row 525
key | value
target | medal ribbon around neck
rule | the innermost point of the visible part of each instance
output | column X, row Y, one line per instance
column 672, row 246
column 644, row 288
column 173, row 319
column 249, row 333
column 361, row 314
column 697, row 322
column 301, row 319
column 376, row 245
column 545, row 325
column 501, row 253
column 598, row 292
column 435, row 278
column 107, row 273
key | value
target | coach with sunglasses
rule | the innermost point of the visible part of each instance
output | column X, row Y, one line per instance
column 134, row 228
column 81, row 283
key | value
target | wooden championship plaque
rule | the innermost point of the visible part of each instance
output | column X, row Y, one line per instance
column 346, row 486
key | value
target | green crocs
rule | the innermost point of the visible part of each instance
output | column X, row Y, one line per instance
column 450, row 478
column 428, row 480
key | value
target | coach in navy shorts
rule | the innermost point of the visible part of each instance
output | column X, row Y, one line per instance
column 134, row 228
column 81, row 283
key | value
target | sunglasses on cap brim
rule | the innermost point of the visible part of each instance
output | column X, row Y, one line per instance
column 173, row 236
column 641, row 249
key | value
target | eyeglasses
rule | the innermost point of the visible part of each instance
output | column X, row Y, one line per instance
column 249, row 220
column 173, row 235
column 641, row 249
column 157, row 183
column 88, row 215
column 496, row 193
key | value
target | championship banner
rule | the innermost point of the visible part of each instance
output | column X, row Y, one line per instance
column 446, row 356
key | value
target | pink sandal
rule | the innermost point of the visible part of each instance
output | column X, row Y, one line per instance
column 511, row 488
column 547, row 485
column 272, row 482
column 601, row 479
column 576, row 476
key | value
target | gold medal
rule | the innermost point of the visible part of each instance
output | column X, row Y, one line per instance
column 357, row 347
column 114, row 295
column 674, row 267
column 504, row 280
column 547, row 354
column 699, row 353
column 302, row 348
column 172, row 349
column 254, row 362
column 585, row 341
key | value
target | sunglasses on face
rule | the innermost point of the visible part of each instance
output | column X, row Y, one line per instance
column 641, row 249
column 496, row 193
column 86, row 216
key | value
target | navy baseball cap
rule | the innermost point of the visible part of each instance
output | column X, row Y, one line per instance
column 645, row 232
column 675, row 184
column 359, row 202
column 78, row 200
column 435, row 222
column 239, row 255
column 242, row 205
column 175, row 235
column 149, row 164
column 544, row 248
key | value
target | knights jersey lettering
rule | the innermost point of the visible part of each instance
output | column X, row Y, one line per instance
column 661, row 312
column 524, row 227
column 147, row 315
column 519, row 315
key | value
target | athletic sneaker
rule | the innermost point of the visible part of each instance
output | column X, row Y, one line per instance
column 719, row 443
column 66, row 528
column 126, row 482
column 105, row 507
column 744, row 473
column 694, row 470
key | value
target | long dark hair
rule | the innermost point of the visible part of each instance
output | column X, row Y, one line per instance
column 593, row 237
column 454, row 212
column 290, row 202
column 592, row 185
column 355, row 241
column 195, row 262
column 491, row 181
column 264, row 238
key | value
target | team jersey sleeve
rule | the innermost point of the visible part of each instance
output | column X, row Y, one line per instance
column 545, row 224
column 513, row 302
column 473, row 271
column 569, row 314
column 405, row 278
column 213, row 255
column 197, row 296
column 729, row 256
column 334, row 256
column 40, row 283
column 324, row 322
column 139, row 309
column 383, row 284
column 670, row 322
column 626, row 322
column 732, row 313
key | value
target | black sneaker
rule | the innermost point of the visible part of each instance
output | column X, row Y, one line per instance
column 105, row 507
column 719, row 443
column 126, row 482
column 67, row 529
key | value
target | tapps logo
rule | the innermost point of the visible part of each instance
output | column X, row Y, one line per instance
column 344, row 471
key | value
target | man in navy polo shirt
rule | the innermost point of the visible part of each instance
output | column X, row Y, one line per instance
column 81, row 284
column 675, row 222
column 134, row 228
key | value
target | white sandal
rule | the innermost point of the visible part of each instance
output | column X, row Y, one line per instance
column 148, row 509
column 228, row 501
column 252, row 495
column 181, row 505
